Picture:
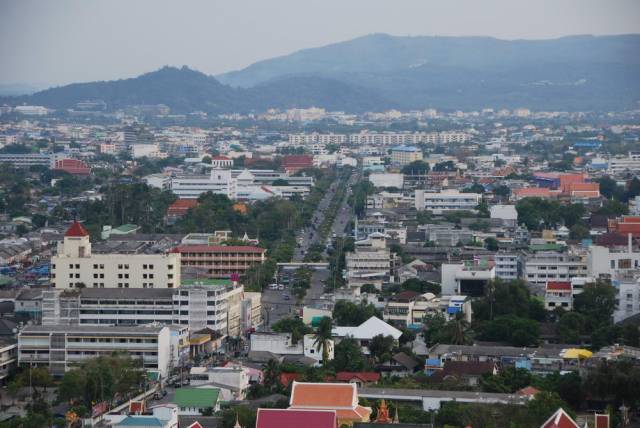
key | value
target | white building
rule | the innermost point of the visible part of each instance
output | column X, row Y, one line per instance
column 447, row 200
column 606, row 262
column 75, row 266
column 412, row 310
column 628, row 296
column 508, row 266
column 365, row 332
column 146, row 150
column 32, row 110
column 545, row 266
column 387, row 180
column 506, row 213
column 282, row 344
column 631, row 163
column 558, row 294
column 59, row 347
column 468, row 278
column 233, row 378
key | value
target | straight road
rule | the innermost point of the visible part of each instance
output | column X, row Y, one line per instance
column 275, row 306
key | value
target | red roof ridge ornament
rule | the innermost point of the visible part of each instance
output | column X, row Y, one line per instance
column 76, row 230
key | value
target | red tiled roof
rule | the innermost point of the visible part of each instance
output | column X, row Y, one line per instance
column 527, row 391
column 363, row 376
column 323, row 395
column 287, row 378
column 292, row 418
column 217, row 249
column 181, row 206
column 560, row 419
column 76, row 230
column 405, row 296
column 559, row 285
column 196, row 424
column 72, row 166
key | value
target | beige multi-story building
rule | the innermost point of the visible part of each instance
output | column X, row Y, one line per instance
column 219, row 261
column 404, row 155
column 75, row 266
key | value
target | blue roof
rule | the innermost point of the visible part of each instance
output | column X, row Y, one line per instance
column 405, row 149
column 140, row 421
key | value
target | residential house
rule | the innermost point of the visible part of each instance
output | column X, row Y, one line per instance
column 366, row 331
column 466, row 372
column 195, row 401
column 232, row 381
column 558, row 294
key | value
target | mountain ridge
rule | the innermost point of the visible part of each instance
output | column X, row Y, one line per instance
column 379, row 72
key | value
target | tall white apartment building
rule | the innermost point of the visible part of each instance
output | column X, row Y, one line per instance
column 74, row 266
column 448, row 200
column 508, row 266
column 315, row 138
column 60, row 347
column 384, row 138
column 545, row 266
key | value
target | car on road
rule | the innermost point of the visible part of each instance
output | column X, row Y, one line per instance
column 286, row 297
column 281, row 287
column 273, row 286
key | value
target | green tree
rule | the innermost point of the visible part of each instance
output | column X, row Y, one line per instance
column 295, row 326
column 272, row 373
column 491, row 244
column 416, row 168
column 322, row 338
column 347, row 313
column 544, row 404
column 596, row 303
column 349, row 357
column 381, row 347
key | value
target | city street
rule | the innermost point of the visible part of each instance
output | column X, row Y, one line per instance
column 274, row 303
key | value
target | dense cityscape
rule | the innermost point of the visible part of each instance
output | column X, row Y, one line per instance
column 171, row 262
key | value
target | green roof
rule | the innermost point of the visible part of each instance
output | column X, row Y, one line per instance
column 125, row 228
column 200, row 398
column 209, row 282
column 546, row 247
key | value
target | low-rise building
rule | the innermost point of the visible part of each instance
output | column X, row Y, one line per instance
column 558, row 294
column 447, row 200
column 409, row 308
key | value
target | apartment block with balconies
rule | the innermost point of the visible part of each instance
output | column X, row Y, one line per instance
column 60, row 347
column 220, row 261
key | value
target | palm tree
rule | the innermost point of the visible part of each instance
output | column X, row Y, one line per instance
column 458, row 330
column 271, row 374
column 323, row 338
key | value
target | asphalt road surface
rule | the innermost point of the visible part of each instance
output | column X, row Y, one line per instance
column 275, row 305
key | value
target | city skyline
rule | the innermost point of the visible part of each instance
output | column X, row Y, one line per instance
column 105, row 41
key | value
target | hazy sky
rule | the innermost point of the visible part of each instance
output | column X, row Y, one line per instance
column 55, row 42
